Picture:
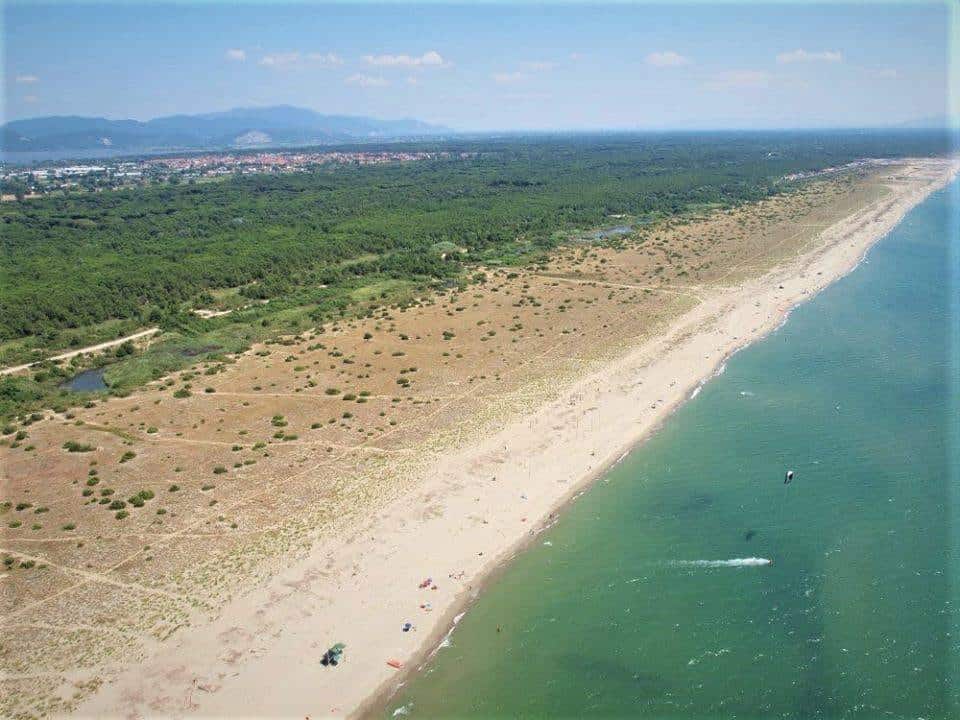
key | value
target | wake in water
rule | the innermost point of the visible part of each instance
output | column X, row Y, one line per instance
column 734, row 562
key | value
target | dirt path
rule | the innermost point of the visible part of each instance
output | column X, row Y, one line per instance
column 90, row 348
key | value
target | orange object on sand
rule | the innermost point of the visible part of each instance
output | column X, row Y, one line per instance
column 395, row 664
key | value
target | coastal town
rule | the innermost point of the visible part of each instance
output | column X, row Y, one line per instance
column 20, row 183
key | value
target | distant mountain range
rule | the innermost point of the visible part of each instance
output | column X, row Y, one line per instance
column 237, row 128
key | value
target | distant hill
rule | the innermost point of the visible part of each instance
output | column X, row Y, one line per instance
column 240, row 127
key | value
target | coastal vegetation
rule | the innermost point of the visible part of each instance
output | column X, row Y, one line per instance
column 261, row 256
column 179, row 499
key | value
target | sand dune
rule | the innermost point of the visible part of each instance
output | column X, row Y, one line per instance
column 473, row 507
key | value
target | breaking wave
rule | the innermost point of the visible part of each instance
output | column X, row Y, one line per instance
column 733, row 562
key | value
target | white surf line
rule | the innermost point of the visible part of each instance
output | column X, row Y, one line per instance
column 733, row 562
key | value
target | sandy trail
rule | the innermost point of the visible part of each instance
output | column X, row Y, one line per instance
column 473, row 509
column 89, row 349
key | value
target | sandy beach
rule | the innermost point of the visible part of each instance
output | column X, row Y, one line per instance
column 468, row 512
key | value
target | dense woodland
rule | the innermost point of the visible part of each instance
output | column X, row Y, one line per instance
column 81, row 259
column 287, row 252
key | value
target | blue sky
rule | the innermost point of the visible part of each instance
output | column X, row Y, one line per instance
column 486, row 67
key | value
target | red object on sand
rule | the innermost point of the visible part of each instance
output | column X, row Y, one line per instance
column 395, row 664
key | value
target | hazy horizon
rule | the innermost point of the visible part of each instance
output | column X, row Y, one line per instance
column 918, row 123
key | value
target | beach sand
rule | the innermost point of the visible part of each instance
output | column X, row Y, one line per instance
column 468, row 512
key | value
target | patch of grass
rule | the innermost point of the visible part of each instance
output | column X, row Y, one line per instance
column 76, row 447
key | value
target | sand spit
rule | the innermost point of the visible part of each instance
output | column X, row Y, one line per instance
column 470, row 510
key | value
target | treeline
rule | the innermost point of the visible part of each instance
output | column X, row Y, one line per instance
column 77, row 260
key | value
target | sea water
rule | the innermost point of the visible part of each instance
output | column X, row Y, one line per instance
column 695, row 583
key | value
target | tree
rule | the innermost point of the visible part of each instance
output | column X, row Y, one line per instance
column 14, row 186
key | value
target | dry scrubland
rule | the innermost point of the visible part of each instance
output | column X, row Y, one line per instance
column 134, row 518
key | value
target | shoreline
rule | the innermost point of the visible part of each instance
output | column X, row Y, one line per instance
column 379, row 701
column 631, row 395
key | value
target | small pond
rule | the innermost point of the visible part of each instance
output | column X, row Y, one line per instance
column 613, row 232
column 87, row 381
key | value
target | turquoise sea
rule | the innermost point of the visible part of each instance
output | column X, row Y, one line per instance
column 619, row 610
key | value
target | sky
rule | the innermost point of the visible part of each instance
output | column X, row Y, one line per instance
column 486, row 67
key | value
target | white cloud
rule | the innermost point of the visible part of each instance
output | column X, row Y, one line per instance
column 886, row 73
column 300, row 60
column 26, row 79
column 328, row 58
column 668, row 58
column 509, row 78
column 235, row 55
column 520, row 76
column 362, row 80
column 736, row 79
column 431, row 58
column 280, row 59
column 802, row 56
column 413, row 80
